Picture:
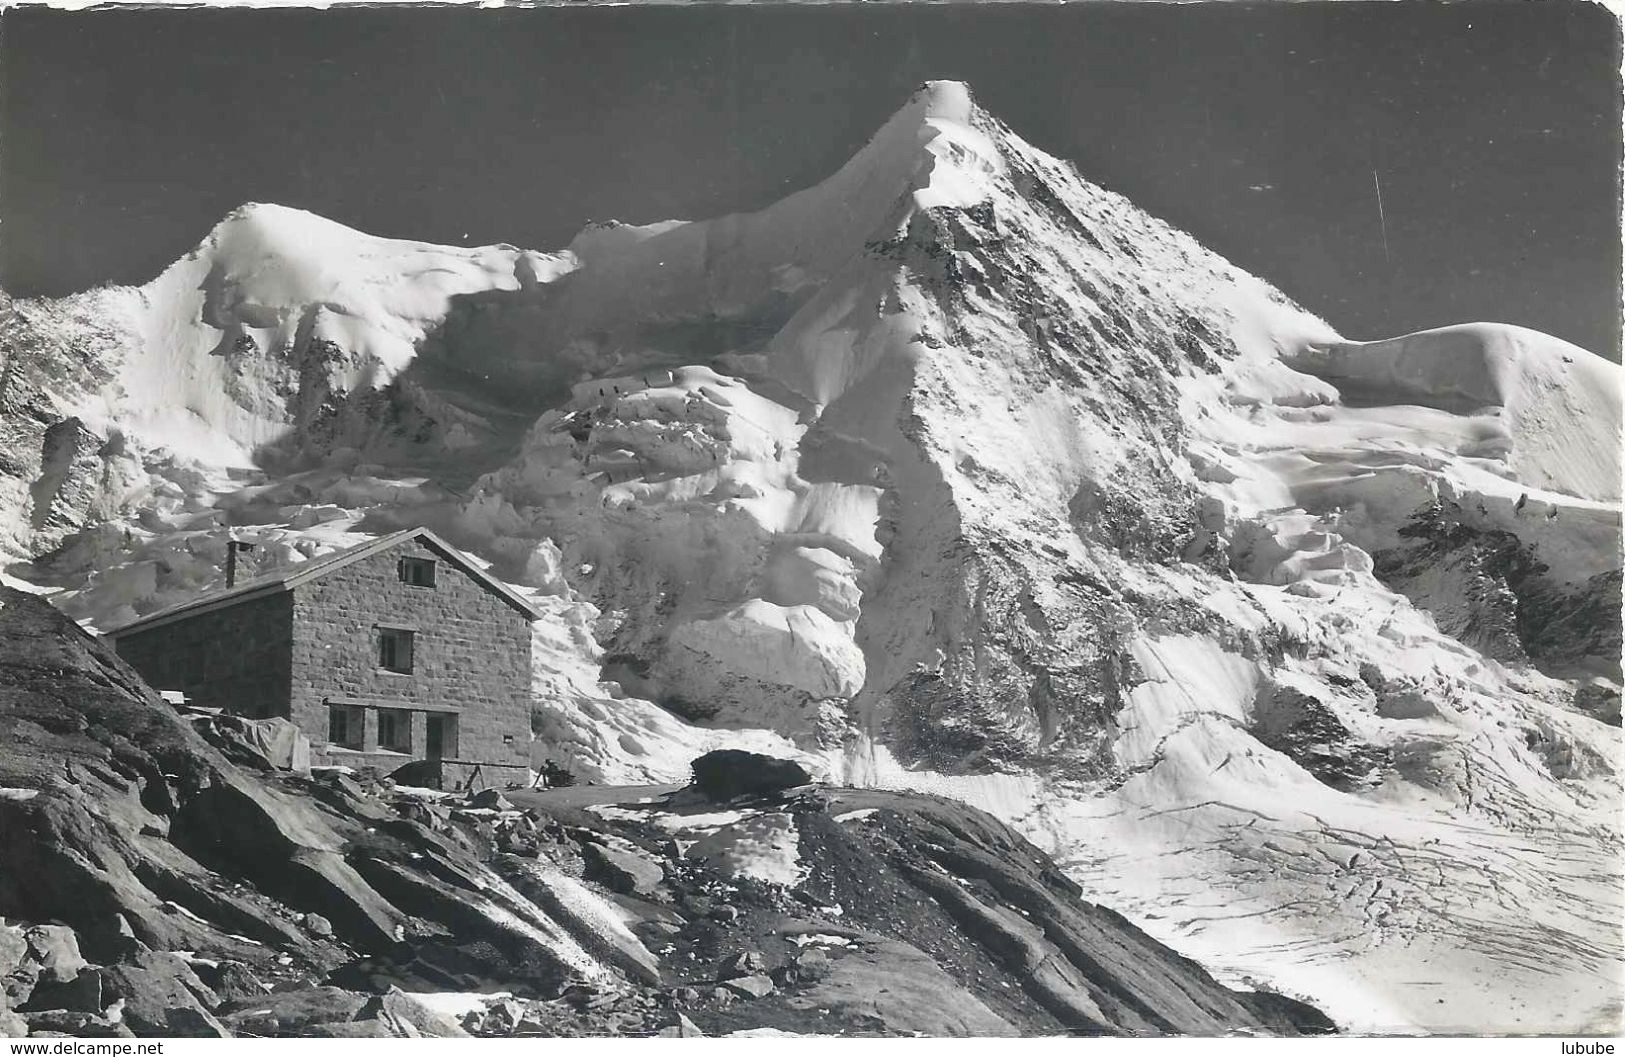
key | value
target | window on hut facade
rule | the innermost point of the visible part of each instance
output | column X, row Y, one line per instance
column 417, row 572
column 346, row 726
column 395, row 730
column 395, row 650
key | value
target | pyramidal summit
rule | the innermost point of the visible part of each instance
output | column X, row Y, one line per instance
column 1091, row 591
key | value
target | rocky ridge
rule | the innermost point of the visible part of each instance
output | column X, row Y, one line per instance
column 154, row 887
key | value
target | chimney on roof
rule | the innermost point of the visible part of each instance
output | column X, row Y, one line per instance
column 232, row 547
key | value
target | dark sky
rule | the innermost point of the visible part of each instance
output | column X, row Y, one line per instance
column 1493, row 128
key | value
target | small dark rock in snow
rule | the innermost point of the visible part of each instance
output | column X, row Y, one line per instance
column 726, row 773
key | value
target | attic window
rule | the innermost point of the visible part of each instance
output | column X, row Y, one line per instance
column 417, row 572
column 395, row 650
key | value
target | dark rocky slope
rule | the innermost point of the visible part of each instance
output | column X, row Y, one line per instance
column 156, row 887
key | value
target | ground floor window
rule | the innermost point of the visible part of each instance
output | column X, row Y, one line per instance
column 346, row 726
column 441, row 740
column 395, row 730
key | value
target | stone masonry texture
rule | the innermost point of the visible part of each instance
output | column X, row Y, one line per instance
column 471, row 653
column 238, row 658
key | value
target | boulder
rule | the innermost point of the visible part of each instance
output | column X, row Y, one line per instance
column 406, row 1017
column 504, row 1017
column 283, row 1014
column 163, row 996
column 76, row 1025
column 491, row 799
column 425, row 774
column 192, row 1022
column 13, row 949
column 727, row 773
column 17, row 972
column 622, row 870
column 682, row 1029
column 746, row 963
column 755, row 986
column 341, row 780
column 515, row 840
column 231, row 981
column 55, row 949
column 812, row 964
column 426, row 813
column 82, row 994
column 12, row 1026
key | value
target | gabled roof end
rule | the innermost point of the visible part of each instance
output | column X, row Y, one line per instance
column 294, row 576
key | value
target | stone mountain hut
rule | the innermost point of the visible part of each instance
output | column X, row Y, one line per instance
column 397, row 649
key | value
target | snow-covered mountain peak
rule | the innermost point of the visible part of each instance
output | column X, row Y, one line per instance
column 938, row 140
column 277, row 225
column 276, row 315
column 271, row 267
column 1558, row 406
column 944, row 99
